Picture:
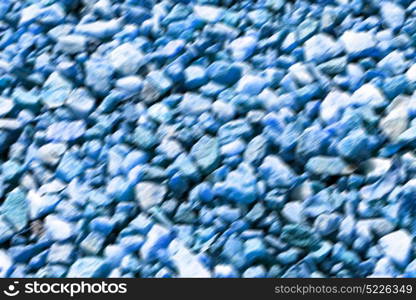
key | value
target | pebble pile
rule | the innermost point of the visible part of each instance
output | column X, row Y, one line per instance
column 207, row 138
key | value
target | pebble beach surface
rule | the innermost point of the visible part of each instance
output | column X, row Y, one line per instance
column 207, row 138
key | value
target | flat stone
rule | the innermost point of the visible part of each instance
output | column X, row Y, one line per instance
column 126, row 59
column 15, row 209
column 393, row 14
column 157, row 238
column 325, row 165
column 206, row 153
column 187, row 263
column 276, row 172
column 51, row 153
column 99, row 29
column 58, row 229
column 223, row 72
column 88, row 267
column 397, row 246
column 251, row 85
column 72, row 43
column 321, row 47
column 149, row 194
column 293, row 211
column 41, row 205
column 358, row 44
column 239, row 186
column 65, row 131
column 243, row 47
column 195, row 77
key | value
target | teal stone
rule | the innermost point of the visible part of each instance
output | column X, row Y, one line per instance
column 26, row 99
column 206, row 153
column 300, row 236
column 144, row 138
column 16, row 209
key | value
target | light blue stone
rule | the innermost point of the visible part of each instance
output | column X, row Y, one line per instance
column 72, row 43
column 255, row 272
column 58, row 229
column 69, row 167
column 276, row 172
column 15, row 209
column 129, row 84
column 65, row 131
column 354, row 146
column 243, row 47
column 251, row 85
column 321, row 47
column 358, row 44
column 99, row 29
column 173, row 48
column 6, row 264
column 158, row 238
column 397, row 246
column 102, row 225
column 120, row 189
column 6, row 106
column 41, row 205
column 195, row 77
column 293, row 211
column 393, row 14
column 93, row 243
column 26, row 99
column 194, row 104
column 80, row 102
column 239, row 186
column 88, row 267
column 161, row 82
column 394, row 63
column 133, row 159
column 149, row 194
column 98, row 75
column 61, row 254
column 325, row 165
column 206, row 154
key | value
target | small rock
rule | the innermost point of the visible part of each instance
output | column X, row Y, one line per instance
column 187, row 263
column 239, row 186
column 88, row 267
column 126, row 59
column 15, row 209
column 223, row 72
column 276, row 172
column 195, row 77
column 251, row 85
column 321, row 47
column 6, row 264
column 397, row 246
column 325, row 165
column 99, row 29
column 358, row 44
column 243, row 47
column 58, row 229
column 149, row 194
column 206, row 153
column 292, row 211
column 72, row 43
column 393, row 14
column 51, row 153
column 65, row 131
